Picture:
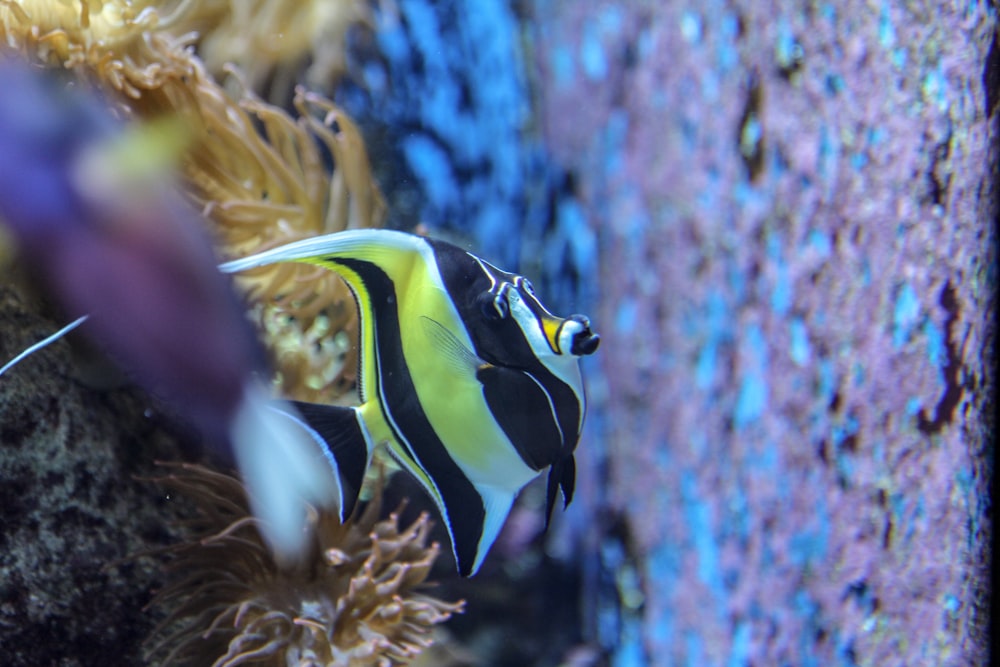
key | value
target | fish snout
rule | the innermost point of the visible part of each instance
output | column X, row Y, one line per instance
column 584, row 341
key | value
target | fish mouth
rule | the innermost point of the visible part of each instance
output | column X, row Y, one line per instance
column 584, row 341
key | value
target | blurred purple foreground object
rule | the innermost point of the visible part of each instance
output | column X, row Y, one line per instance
column 143, row 271
column 796, row 205
column 124, row 250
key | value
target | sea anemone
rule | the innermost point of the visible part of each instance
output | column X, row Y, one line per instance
column 261, row 176
column 357, row 601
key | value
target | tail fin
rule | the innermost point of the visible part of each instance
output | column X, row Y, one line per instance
column 346, row 444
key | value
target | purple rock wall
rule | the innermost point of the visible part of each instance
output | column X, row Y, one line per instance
column 795, row 205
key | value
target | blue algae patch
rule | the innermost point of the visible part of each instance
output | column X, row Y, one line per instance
column 809, row 545
column 664, row 570
column 844, row 460
column 935, row 89
column 615, row 137
column 392, row 41
column 740, row 653
column 866, row 272
column 691, row 27
column 698, row 516
column 859, row 160
column 899, row 57
column 630, row 651
column 704, row 369
column 572, row 224
column 767, row 460
column 726, row 55
column 781, row 295
column 820, row 242
column 876, row 136
column 905, row 314
column 786, row 49
column 736, row 519
column 737, row 281
column 715, row 325
column 611, row 19
column 835, row 84
column 626, row 315
column 935, row 343
column 913, row 405
column 858, row 372
column 840, row 432
column 455, row 104
column 563, row 67
column 646, row 43
column 829, row 152
column 827, row 379
column 886, row 31
column 808, row 610
column 592, row 55
column 907, row 512
column 800, row 350
column 845, row 650
column 433, row 167
column 751, row 401
column 695, row 649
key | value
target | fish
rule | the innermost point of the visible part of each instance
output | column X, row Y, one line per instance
column 469, row 381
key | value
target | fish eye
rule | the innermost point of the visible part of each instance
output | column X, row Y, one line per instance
column 493, row 306
column 527, row 286
column 501, row 306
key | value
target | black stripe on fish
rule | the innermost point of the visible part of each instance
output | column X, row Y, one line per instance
column 525, row 413
column 343, row 433
column 464, row 512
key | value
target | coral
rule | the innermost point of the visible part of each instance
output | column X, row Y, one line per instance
column 269, row 39
column 260, row 176
column 355, row 602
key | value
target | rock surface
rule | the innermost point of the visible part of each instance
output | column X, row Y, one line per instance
column 72, row 511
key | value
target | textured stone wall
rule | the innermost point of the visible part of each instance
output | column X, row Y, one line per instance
column 74, row 511
column 795, row 208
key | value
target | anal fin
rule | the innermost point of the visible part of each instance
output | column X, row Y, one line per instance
column 497, row 504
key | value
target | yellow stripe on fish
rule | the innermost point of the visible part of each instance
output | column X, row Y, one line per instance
column 472, row 383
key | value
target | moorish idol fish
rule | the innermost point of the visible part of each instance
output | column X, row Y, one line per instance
column 471, row 382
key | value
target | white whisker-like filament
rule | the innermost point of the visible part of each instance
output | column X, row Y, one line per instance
column 42, row 343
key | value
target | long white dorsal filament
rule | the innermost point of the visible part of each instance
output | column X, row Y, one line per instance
column 42, row 343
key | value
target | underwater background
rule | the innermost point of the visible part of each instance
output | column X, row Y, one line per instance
column 780, row 217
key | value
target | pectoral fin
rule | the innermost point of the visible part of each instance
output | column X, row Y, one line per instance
column 455, row 354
